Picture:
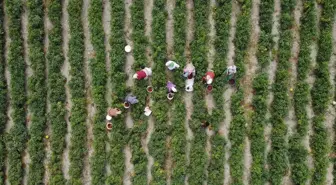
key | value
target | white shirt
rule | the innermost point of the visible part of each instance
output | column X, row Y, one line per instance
column 231, row 70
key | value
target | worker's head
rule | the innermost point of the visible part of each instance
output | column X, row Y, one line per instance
column 108, row 117
column 174, row 89
column 135, row 76
column 208, row 79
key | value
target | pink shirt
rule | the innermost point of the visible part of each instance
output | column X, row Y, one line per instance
column 141, row 74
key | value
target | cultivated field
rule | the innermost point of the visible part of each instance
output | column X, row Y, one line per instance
column 62, row 64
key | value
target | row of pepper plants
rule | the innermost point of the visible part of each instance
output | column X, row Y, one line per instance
column 99, row 81
column 138, row 131
column 298, row 153
column 17, row 136
column 118, row 78
column 3, row 96
column 37, row 99
column 77, row 91
column 222, row 16
column 321, row 94
column 178, row 112
column 260, row 86
column 56, row 93
column 157, row 145
column 278, row 159
column 237, row 132
column 198, row 157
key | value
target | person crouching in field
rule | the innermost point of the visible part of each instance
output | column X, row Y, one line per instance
column 143, row 74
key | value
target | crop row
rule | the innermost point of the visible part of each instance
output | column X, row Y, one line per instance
column 238, row 124
column 139, row 158
column 298, row 153
column 37, row 100
column 178, row 141
column 222, row 16
column 321, row 94
column 56, row 93
column 3, row 96
column 157, row 145
column 118, row 77
column 77, row 91
column 198, row 157
column 279, row 110
column 17, row 136
column 260, row 87
column 99, row 80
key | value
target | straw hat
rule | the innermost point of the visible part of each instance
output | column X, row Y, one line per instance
column 128, row 48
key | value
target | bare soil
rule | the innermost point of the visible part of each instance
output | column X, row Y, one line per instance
column 89, row 52
column 47, row 27
column 188, row 96
column 170, row 28
column 190, row 29
column 129, row 83
column 66, row 73
column 29, row 73
column 311, row 80
column 271, row 73
column 129, row 166
column 108, row 95
column 211, row 53
column 107, row 32
column 251, row 68
column 290, row 120
column 150, row 129
column 128, row 32
column 330, row 116
column 10, row 122
column 170, row 52
column 228, row 92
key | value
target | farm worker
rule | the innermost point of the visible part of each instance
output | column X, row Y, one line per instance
column 148, row 112
column 231, row 70
column 143, row 74
column 112, row 112
column 172, row 65
column 171, row 87
column 189, row 71
column 189, row 85
column 209, row 76
column 131, row 99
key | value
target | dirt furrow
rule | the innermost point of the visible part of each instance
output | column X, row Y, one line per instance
column 108, row 94
column 8, row 80
column 129, row 83
column 224, row 130
column 251, row 68
column 148, row 31
column 188, row 96
column 310, row 81
column 290, row 120
column 170, row 52
column 88, row 79
column 29, row 73
column 170, row 28
column 330, row 116
column 47, row 28
column 66, row 73
column 107, row 31
column 271, row 72
column 211, row 54
column 209, row 100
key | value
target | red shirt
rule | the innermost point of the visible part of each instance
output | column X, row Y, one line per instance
column 211, row 74
column 141, row 74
